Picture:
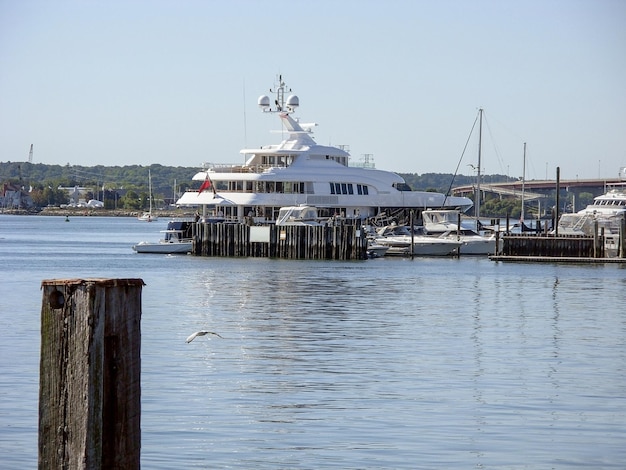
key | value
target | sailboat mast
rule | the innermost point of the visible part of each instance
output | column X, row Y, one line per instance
column 480, row 144
column 150, row 190
column 523, row 182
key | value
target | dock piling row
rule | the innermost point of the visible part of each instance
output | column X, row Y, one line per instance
column 338, row 242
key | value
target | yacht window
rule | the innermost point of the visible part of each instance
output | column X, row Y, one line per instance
column 332, row 188
column 344, row 189
column 365, row 190
column 359, row 189
column 350, row 189
column 402, row 186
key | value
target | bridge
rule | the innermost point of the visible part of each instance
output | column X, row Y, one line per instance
column 537, row 189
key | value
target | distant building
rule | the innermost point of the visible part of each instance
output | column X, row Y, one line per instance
column 15, row 197
column 76, row 194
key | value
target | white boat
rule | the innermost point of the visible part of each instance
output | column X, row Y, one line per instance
column 445, row 224
column 170, row 247
column 298, row 215
column 376, row 250
column 149, row 216
column 401, row 242
column 607, row 211
column 299, row 171
column 177, row 240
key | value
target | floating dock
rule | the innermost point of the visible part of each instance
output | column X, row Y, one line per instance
column 558, row 259
column 556, row 249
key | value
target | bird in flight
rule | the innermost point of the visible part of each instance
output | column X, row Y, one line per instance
column 200, row 333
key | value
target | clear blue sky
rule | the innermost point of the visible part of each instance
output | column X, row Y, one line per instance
column 175, row 82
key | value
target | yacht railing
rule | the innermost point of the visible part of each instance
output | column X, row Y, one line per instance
column 235, row 168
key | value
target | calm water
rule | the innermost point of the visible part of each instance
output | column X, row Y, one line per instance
column 389, row 363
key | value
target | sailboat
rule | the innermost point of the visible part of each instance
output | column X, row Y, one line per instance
column 149, row 216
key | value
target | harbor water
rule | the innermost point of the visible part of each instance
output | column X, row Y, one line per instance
column 386, row 363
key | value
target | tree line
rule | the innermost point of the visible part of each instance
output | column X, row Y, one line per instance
column 126, row 187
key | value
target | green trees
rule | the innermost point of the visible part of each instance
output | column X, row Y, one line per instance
column 48, row 196
column 496, row 207
column 130, row 200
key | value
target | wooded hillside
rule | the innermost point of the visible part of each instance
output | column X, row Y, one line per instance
column 132, row 180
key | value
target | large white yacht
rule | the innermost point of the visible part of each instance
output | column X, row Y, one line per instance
column 299, row 171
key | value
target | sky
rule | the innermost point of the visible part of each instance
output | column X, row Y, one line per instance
column 176, row 82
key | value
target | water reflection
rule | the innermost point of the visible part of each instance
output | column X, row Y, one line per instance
column 430, row 363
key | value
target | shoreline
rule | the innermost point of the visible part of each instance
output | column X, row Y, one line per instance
column 97, row 212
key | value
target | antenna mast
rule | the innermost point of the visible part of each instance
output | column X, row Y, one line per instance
column 280, row 104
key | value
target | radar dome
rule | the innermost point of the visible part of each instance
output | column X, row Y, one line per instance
column 264, row 101
column 293, row 101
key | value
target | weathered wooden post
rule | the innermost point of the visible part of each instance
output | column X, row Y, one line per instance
column 497, row 251
column 555, row 222
column 89, row 387
column 411, row 222
column 622, row 238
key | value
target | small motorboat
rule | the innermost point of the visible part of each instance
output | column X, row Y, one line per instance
column 401, row 241
column 169, row 247
column 177, row 240
column 445, row 224
column 376, row 250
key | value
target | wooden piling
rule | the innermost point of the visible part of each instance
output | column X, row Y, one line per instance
column 622, row 238
column 89, row 392
column 555, row 222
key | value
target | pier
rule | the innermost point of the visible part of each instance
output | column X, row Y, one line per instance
column 314, row 242
column 567, row 249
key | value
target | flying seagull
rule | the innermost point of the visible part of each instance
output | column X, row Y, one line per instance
column 200, row 333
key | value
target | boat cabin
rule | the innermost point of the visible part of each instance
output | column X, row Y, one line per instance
column 297, row 215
